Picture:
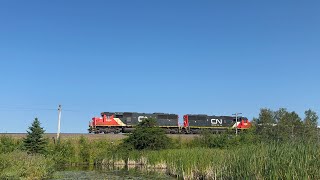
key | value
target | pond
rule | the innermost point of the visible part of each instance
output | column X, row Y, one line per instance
column 132, row 173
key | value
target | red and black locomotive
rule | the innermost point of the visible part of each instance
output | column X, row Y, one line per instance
column 125, row 122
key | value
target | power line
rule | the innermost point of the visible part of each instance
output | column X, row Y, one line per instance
column 12, row 108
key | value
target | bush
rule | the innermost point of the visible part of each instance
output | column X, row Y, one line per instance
column 209, row 140
column 8, row 144
column 63, row 153
column 147, row 136
column 84, row 148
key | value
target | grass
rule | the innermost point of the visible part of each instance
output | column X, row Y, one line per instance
column 185, row 159
column 20, row 165
column 260, row 161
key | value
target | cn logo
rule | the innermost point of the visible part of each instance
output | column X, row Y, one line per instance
column 141, row 118
column 216, row 121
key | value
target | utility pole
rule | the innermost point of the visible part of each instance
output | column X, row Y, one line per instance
column 236, row 114
column 59, row 119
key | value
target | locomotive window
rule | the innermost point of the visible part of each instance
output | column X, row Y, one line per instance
column 119, row 116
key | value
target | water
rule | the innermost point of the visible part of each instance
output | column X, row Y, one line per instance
column 123, row 173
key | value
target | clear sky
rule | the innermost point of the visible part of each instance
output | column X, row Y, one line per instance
column 208, row 57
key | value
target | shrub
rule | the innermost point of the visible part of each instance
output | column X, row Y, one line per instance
column 209, row 140
column 63, row 153
column 84, row 148
column 147, row 136
column 8, row 144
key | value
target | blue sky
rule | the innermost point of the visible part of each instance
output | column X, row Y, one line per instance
column 208, row 57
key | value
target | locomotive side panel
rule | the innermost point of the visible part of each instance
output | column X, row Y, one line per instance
column 212, row 121
column 221, row 121
column 139, row 117
column 134, row 118
column 167, row 120
column 198, row 120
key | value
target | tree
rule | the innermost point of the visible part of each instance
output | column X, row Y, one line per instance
column 35, row 142
column 311, row 118
column 147, row 136
column 265, row 124
column 310, row 125
column 289, row 126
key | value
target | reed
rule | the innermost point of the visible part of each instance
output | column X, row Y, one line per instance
column 20, row 165
column 260, row 161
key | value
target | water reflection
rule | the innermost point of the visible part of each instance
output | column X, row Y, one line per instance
column 111, row 172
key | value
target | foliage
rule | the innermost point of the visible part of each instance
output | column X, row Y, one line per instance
column 254, row 161
column 8, row 144
column 311, row 118
column 20, row 165
column 147, row 123
column 35, row 142
column 310, row 125
column 225, row 140
column 209, row 140
column 147, row 136
column 84, row 148
column 265, row 124
column 63, row 153
column 282, row 125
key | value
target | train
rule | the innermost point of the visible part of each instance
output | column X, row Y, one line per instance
column 125, row 122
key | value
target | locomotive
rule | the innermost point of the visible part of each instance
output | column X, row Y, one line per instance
column 125, row 122
column 194, row 123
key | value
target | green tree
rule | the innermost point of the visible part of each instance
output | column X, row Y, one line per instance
column 265, row 124
column 278, row 115
column 311, row 118
column 147, row 136
column 35, row 142
column 310, row 125
column 289, row 126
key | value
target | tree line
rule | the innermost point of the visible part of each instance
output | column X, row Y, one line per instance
column 283, row 125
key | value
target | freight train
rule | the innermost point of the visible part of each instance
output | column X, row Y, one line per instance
column 125, row 122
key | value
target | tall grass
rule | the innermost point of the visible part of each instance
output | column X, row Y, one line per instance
column 20, row 165
column 260, row 161
column 78, row 151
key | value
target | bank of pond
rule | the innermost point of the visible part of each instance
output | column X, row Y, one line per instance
column 187, row 160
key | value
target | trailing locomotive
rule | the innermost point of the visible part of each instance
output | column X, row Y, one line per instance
column 125, row 122
column 194, row 123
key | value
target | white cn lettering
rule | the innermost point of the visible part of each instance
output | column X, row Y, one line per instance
column 141, row 118
column 216, row 121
